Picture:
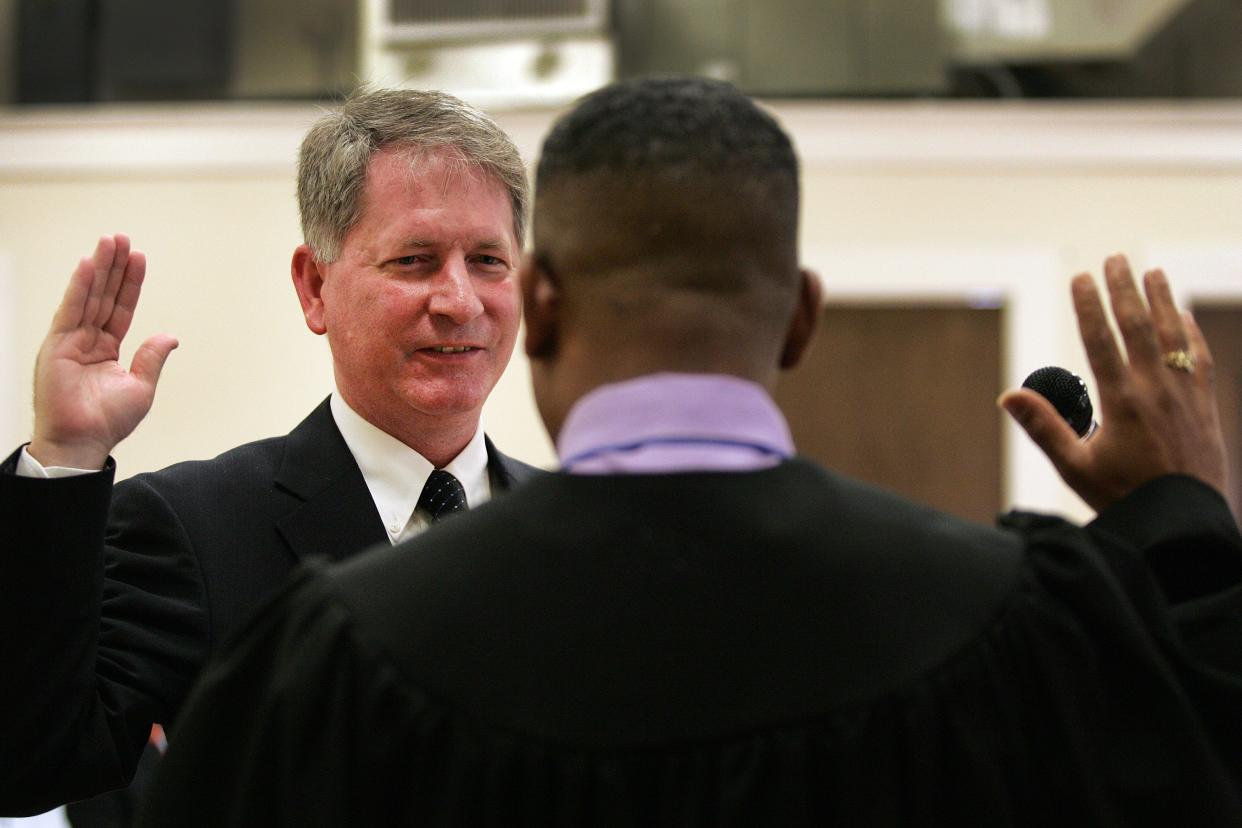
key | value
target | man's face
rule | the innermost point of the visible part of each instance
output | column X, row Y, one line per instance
column 422, row 307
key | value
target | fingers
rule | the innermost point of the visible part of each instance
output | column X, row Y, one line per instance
column 100, row 285
column 116, row 273
column 1215, row 468
column 105, row 254
column 1046, row 428
column 1135, row 320
column 81, row 301
column 1107, row 363
column 130, row 287
column 150, row 357
column 1205, row 366
column 1148, row 328
column 1167, row 321
column 72, row 306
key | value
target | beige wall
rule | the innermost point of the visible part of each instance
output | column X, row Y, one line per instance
column 901, row 201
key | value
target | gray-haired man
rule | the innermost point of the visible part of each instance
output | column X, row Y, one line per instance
column 413, row 210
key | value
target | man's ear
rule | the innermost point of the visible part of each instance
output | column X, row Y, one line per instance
column 541, row 305
column 805, row 319
column 307, row 274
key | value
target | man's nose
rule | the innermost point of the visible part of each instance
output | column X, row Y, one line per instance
column 453, row 294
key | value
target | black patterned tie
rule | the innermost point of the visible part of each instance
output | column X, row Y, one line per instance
column 442, row 496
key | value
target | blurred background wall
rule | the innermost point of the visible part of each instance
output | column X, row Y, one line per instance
column 961, row 161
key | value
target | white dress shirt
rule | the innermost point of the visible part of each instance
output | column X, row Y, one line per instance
column 395, row 473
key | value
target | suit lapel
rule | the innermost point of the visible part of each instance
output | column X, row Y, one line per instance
column 504, row 473
column 337, row 516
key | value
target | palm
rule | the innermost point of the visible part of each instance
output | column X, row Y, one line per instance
column 85, row 401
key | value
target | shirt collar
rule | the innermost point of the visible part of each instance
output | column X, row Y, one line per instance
column 395, row 473
column 674, row 422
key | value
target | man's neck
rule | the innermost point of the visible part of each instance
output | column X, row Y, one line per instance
column 438, row 438
column 441, row 446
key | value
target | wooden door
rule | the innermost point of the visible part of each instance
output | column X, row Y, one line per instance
column 905, row 397
column 1222, row 326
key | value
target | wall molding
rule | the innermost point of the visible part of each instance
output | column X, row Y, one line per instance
column 896, row 136
column 1036, row 135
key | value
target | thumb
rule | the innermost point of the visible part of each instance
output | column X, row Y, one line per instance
column 1041, row 422
column 149, row 359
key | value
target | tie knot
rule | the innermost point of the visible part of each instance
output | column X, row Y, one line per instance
column 442, row 495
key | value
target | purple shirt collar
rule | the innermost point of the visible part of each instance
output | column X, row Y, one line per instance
column 664, row 423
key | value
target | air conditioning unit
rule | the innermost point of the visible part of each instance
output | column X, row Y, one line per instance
column 494, row 53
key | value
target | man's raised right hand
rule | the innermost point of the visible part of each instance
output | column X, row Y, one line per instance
column 85, row 402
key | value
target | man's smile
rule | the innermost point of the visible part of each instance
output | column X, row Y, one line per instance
column 452, row 349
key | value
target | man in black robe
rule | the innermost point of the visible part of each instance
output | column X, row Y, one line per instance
column 689, row 625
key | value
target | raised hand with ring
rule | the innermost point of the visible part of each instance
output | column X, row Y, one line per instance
column 1153, row 421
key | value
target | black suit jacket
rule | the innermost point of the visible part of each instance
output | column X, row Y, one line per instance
column 112, row 599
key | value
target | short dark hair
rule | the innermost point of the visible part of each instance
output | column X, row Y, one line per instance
column 685, row 175
column 670, row 124
column 666, row 213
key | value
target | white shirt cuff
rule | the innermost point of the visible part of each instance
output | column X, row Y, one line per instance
column 27, row 466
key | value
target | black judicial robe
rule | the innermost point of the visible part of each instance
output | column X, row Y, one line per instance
column 784, row 647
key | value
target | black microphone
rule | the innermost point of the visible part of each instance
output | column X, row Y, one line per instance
column 1068, row 395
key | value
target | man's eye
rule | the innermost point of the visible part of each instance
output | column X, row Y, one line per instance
column 406, row 260
column 489, row 260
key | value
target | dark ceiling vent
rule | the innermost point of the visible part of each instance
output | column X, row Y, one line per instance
column 409, row 21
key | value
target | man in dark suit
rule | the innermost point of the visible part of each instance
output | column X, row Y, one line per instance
column 692, row 626
column 111, row 598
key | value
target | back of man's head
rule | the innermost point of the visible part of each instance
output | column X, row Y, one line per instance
column 666, row 213
column 337, row 150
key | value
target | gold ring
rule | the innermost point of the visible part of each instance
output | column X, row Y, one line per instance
column 1180, row 360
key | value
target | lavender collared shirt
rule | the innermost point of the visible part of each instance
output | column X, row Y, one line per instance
column 664, row 423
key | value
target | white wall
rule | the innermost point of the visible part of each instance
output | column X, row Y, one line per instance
column 901, row 200
column 9, row 370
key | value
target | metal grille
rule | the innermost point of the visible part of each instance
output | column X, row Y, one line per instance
column 460, row 11
column 412, row 20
